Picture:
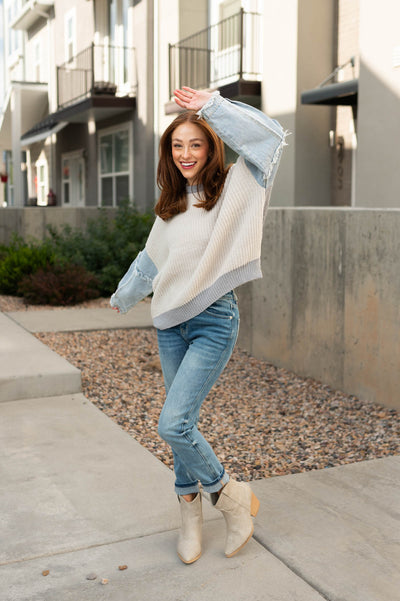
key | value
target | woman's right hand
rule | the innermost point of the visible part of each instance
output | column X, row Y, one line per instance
column 190, row 99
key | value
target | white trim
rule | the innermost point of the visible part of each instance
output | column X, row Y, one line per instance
column 42, row 162
column 76, row 156
column 80, row 153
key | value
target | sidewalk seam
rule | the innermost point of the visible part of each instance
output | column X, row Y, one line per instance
column 84, row 548
column 293, row 569
column 93, row 546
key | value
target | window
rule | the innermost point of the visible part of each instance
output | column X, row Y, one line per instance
column 10, row 182
column 118, row 19
column 10, row 31
column 14, row 37
column 115, row 166
column 125, row 42
column 70, row 35
column 37, row 61
column 41, row 182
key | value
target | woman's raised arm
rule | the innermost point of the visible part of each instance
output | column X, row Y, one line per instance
column 249, row 132
column 190, row 99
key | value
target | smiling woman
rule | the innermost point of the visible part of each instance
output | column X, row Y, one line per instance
column 190, row 153
column 205, row 241
column 189, row 150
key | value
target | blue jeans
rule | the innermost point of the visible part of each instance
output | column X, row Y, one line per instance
column 193, row 355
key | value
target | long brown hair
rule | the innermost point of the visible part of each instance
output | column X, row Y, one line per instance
column 171, row 181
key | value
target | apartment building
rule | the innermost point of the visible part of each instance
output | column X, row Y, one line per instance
column 335, row 79
column 71, row 123
column 89, row 84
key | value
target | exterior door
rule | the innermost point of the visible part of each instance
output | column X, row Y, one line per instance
column 73, row 180
column 118, row 35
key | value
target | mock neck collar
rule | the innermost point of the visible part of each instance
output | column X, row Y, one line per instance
column 194, row 189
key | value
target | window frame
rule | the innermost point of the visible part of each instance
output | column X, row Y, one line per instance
column 70, row 16
column 37, row 60
column 127, row 126
column 44, row 185
column 75, row 155
column 15, row 40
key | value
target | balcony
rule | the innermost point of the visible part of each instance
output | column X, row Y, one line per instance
column 31, row 11
column 220, row 55
column 98, row 70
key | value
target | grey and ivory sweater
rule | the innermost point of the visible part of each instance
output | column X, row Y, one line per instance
column 196, row 257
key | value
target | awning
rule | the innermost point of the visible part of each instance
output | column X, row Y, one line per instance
column 41, row 131
column 342, row 93
column 96, row 107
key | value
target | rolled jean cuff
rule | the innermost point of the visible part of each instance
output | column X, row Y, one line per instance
column 187, row 490
column 216, row 486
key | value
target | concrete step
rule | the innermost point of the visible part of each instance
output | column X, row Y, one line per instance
column 29, row 369
column 72, row 320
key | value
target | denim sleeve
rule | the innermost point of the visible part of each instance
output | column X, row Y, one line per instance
column 249, row 132
column 136, row 284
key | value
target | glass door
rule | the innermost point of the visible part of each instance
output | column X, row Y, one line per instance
column 73, row 180
column 118, row 13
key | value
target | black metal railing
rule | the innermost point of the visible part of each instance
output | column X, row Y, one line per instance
column 221, row 53
column 99, row 69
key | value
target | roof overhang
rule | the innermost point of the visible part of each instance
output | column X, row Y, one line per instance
column 32, row 11
column 34, row 104
column 342, row 93
column 42, row 133
column 95, row 107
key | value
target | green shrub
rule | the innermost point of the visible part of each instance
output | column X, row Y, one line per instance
column 105, row 250
column 108, row 246
column 20, row 259
column 59, row 284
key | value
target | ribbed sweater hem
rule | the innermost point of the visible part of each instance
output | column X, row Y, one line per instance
column 227, row 282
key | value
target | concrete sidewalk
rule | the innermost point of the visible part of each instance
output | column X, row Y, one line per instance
column 73, row 320
column 78, row 495
column 30, row 369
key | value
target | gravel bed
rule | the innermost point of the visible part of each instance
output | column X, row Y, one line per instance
column 262, row 421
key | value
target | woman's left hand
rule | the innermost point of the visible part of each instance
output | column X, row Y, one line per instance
column 190, row 99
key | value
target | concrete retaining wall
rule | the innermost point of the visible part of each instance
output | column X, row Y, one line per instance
column 328, row 305
column 31, row 222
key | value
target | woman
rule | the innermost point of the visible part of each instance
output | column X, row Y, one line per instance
column 206, row 240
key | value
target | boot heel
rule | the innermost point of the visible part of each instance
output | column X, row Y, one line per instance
column 255, row 505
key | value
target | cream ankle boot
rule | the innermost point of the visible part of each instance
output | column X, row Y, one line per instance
column 189, row 542
column 237, row 503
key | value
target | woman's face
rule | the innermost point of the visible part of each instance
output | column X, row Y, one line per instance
column 189, row 150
